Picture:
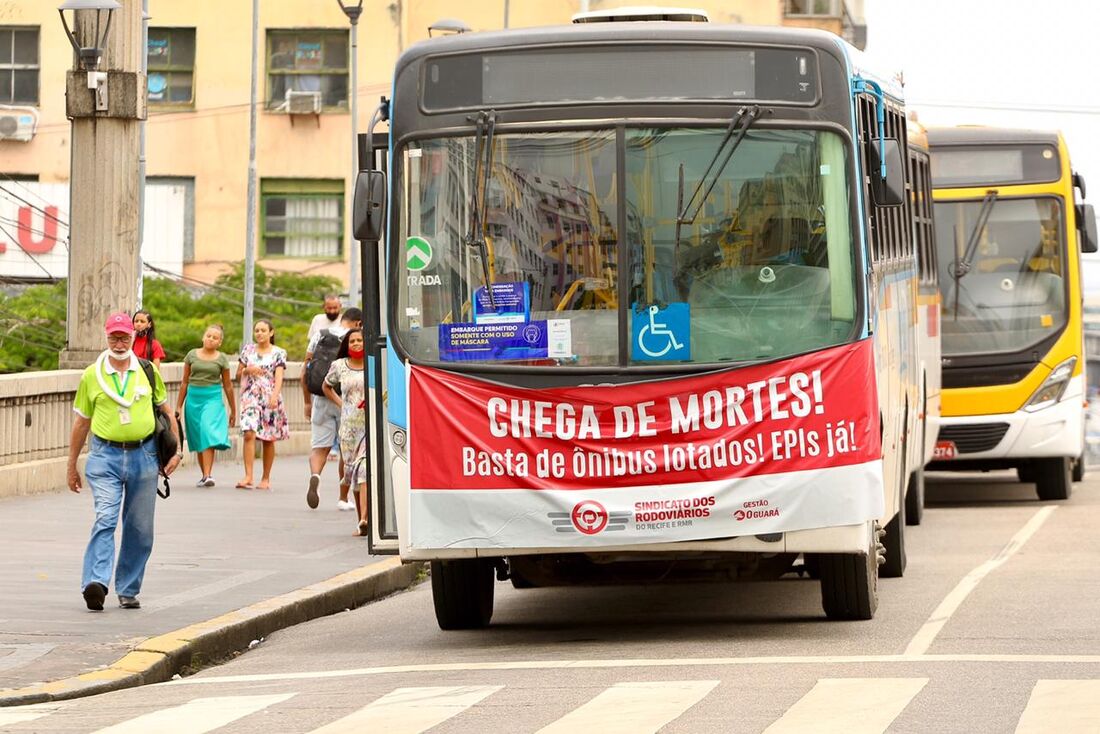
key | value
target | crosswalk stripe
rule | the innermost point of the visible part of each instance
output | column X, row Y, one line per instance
column 633, row 708
column 198, row 716
column 23, row 714
column 848, row 706
column 410, row 710
column 1064, row 706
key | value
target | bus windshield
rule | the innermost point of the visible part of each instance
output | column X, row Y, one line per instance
column 765, row 269
column 1009, row 291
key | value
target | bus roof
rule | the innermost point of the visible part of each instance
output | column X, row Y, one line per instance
column 624, row 31
column 983, row 135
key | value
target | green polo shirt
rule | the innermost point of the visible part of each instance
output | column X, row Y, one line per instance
column 92, row 402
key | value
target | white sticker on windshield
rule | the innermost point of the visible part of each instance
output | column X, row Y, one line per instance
column 825, row 169
column 559, row 338
column 415, row 152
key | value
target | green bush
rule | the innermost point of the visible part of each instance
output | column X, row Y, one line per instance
column 32, row 323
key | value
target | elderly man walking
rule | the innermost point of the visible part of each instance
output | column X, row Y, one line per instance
column 115, row 400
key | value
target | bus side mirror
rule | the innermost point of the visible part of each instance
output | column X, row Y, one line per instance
column 368, row 214
column 1086, row 225
column 889, row 191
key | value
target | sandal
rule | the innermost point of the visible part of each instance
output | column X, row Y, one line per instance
column 364, row 528
column 244, row 485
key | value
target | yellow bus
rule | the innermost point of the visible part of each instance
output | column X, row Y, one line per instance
column 1009, row 230
column 927, row 316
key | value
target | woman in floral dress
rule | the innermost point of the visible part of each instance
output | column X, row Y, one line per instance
column 344, row 386
column 260, row 371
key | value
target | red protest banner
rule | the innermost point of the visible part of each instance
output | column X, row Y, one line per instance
column 788, row 445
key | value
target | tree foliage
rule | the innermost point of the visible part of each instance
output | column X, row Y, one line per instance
column 32, row 322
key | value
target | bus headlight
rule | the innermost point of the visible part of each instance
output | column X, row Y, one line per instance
column 1050, row 392
column 399, row 440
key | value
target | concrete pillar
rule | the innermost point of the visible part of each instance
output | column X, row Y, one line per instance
column 104, row 197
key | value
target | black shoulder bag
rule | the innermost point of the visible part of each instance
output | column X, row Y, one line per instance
column 165, row 440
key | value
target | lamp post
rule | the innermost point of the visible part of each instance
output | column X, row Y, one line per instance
column 89, row 57
column 353, row 11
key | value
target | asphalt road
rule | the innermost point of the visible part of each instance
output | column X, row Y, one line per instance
column 993, row 629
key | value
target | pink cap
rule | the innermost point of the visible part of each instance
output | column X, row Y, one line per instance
column 119, row 323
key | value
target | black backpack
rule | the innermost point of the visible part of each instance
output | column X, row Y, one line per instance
column 167, row 446
column 323, row 356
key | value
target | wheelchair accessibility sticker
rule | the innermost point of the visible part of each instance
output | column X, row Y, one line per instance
column 661, row 333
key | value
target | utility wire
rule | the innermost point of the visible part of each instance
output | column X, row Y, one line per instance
column 33, row 193
column 219, row 286
column 12, row 195
column 28, row 254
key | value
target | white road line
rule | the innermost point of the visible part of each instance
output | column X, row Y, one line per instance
column 848, row 706
column 1064, row 706
column 926, row 635
column 198, row 716
column 198, row 592
column 633, row 708
column 636, row 663
column 23, row 714
column 410, row 710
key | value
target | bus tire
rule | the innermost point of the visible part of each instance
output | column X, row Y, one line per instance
column 1053, row 478
column 914, row 498
column 1025, row 472
column 462, row 592
column 1079, row 468
column 849, row 583
column 893, row 540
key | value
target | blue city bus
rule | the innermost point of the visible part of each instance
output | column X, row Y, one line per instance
column 641, row 303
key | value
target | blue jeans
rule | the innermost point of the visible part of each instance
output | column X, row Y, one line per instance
column 126, row 479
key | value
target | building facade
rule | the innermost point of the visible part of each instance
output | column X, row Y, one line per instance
column 199, row 79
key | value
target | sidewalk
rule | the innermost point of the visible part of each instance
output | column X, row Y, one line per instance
column 216, row 550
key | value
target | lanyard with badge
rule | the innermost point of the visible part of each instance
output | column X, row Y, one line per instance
column 123, row 412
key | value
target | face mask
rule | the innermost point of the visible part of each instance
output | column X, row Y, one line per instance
column 355, row 353
column 142, row 332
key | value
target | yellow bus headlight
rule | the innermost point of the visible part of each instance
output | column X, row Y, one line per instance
column 1050, row 392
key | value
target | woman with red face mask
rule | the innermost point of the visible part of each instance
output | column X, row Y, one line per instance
column 345, row 387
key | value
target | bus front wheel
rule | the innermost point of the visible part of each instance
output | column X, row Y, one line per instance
column 849, row 582
column 1053, row 478
column 1079, row 468
column 462, row 592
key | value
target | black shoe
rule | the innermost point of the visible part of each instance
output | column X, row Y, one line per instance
column 129, row 602
column 94, row 594
column 312, row 499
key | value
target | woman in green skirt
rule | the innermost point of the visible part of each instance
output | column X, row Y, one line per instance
column 205, row 378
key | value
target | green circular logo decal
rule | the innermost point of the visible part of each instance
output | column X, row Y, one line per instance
column 418, row 253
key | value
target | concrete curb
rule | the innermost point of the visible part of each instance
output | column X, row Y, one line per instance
column 159, row 658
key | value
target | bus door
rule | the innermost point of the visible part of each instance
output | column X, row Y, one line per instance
column 381, row 518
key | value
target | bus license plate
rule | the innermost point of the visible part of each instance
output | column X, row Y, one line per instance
column 945, row 450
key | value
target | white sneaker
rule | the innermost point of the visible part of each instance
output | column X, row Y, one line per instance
column 209, row 482
column 201, row 482
column 344, row 506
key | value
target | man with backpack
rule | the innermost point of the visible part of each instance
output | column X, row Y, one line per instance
column 324, row 417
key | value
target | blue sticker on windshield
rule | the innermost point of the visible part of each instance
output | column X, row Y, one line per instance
column 661, row 333
column 511, row 304
column 461, row 342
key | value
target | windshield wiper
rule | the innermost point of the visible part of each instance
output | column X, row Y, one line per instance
column 739, row 126
column 483, row 171
column 962, row 265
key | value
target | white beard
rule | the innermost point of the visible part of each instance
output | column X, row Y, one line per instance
column 127, row 355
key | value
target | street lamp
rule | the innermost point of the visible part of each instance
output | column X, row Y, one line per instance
column 90, row 56
column 353, row 11
column 448, row 25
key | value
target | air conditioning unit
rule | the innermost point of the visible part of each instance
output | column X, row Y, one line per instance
column 18, row 123
column 303, row 103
